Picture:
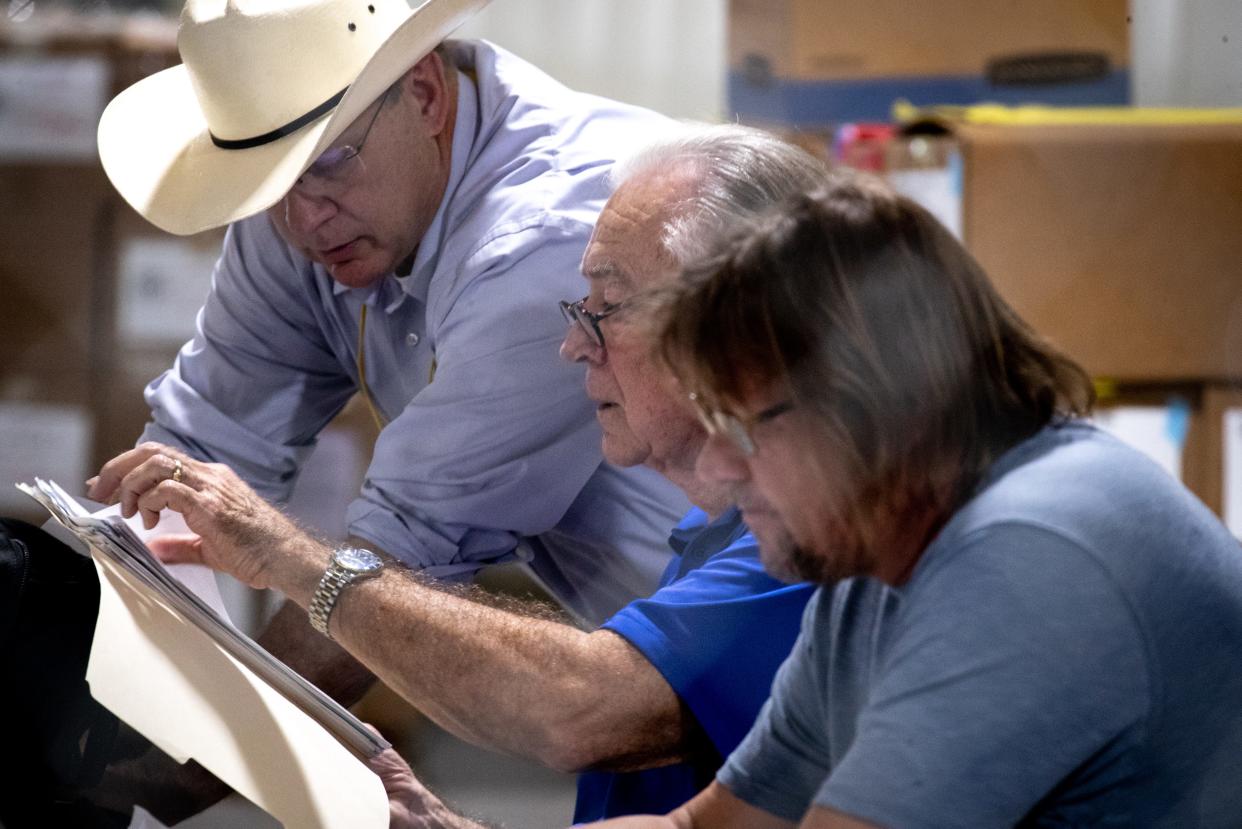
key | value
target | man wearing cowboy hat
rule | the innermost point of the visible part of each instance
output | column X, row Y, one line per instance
column 398, row 215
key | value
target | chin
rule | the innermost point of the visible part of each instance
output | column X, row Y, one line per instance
column 621, row 452
column 781, row 569
column 786, row 560
column 355, row 277
column 774, row 554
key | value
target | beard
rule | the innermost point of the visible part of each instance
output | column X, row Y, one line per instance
column 824, row 569
column 791, row 562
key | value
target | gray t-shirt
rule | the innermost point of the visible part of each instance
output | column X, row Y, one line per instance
column 1068, row 651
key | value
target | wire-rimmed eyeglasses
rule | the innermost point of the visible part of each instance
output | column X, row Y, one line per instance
column 336, row 165
column 737, row 428
column 576, row 313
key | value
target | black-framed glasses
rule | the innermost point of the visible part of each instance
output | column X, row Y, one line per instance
column 336, row 165
column 576, row 313
column 737, row 428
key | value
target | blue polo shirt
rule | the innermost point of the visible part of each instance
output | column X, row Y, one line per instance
column 717, row 630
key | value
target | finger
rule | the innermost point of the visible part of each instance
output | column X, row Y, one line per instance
column 392, row 769
column 168, row 495
column 146, row 476
column 114, row 471
column 386, row 759
column 178, row 549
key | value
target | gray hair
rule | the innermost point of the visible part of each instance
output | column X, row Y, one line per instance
column 740, row 173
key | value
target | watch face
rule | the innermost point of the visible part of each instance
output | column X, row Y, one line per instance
column 356, row 560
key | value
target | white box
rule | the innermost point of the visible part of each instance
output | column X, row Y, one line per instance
column 50, row 107
column 48, row 441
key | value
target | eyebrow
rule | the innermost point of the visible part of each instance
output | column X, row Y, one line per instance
column 608, row 270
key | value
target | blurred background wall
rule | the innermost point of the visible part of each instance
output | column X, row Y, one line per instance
column 1186, row 52
column 665, row 54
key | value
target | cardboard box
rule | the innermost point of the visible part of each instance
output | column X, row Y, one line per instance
column 808, row 63
column 52, row 294
column 63, row 223
column 1122, row 244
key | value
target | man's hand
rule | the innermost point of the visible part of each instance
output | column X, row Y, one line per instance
column 410, row 805
column 236, row 530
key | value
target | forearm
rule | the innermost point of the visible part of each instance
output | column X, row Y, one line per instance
column 169, row 790
column 713, row 808
column 641, row 822
column 514, row 683
column 503, row 680
column 290, row 638
column 676, row 819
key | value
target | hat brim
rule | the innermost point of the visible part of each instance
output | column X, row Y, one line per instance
column 156, row 150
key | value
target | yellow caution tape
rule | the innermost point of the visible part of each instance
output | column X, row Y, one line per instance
column 999, row 115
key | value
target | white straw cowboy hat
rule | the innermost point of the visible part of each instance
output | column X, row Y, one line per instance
column 265, row 87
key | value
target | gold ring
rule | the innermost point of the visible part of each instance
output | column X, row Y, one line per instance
column 176, row 476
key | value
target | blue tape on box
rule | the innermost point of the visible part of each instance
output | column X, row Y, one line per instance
column 761, row 97
column 1178, row 423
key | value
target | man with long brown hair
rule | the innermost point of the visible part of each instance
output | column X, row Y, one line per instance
column 1022, row 621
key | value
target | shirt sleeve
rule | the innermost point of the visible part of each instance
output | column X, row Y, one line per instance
column 503, row 439
column 783, row 761
column 258, row 381
column 1016, row 662
column 496, row 447
column 718, row 635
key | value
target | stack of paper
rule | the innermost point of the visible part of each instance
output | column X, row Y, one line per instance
column 167, row 663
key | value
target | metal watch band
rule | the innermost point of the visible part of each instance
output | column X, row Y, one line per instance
column 323, row 602
column 346, row 566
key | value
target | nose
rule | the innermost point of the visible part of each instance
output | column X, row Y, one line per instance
column 577, row 346
column 720, row 461
column 305, row 212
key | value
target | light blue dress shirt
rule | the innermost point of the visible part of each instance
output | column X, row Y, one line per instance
column 503, row 443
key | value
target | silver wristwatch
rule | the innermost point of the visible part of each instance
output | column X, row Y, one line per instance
column 347, row 565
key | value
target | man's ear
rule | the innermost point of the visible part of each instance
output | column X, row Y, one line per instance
column 427, row 83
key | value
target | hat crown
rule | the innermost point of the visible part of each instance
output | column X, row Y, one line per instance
column 263, row 78
column 257, row 65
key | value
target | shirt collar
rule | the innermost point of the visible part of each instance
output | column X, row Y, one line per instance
column 695, row 540
column 695, row 525
column 464, row 133
column 392, row 290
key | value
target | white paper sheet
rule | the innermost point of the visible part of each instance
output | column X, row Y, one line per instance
column 199, row 579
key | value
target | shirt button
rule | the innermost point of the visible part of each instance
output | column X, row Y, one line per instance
column 412, row 339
